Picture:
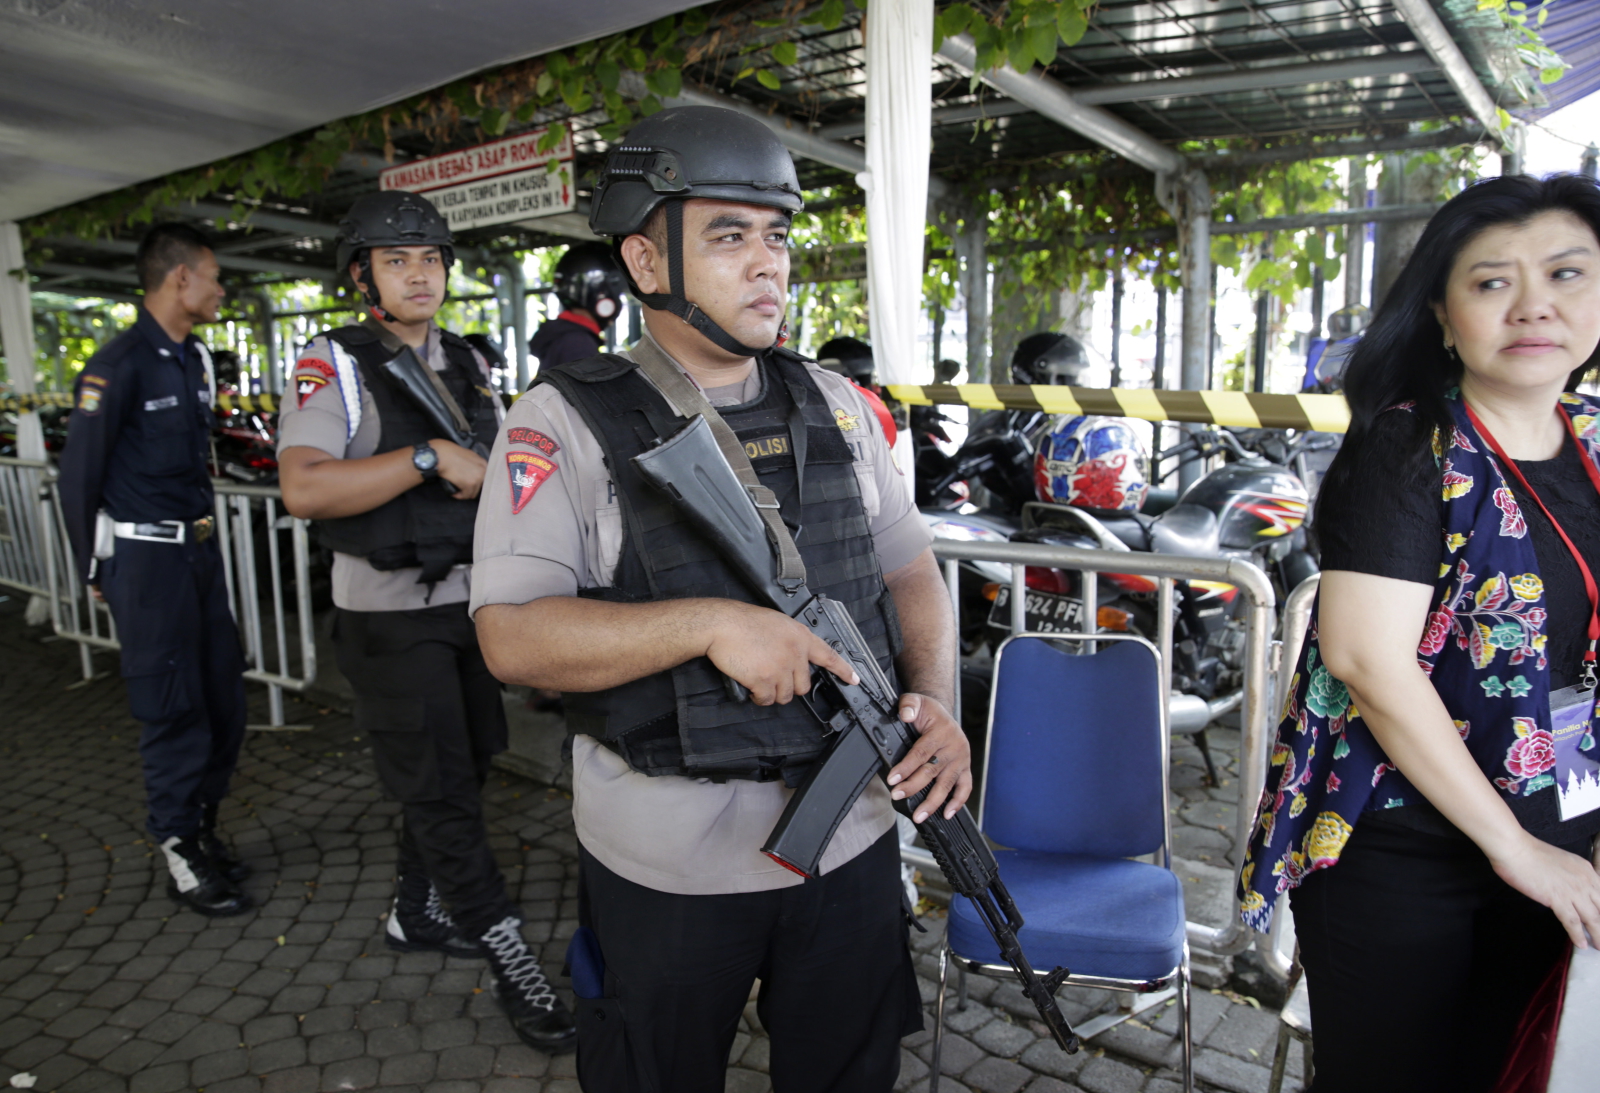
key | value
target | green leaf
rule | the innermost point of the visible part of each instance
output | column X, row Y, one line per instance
column 785, row 53
column 666, row 82
column 695, row 22
column 1020, row 53
column 609, row 74
column 663, row 30
column 1071, row 23
column 557, row 64
column 743, row 74
column 494, row 121
column 649, row 105
column 767, row 24
column 637, row 59
column 768, row 79
column 955, row 19
column 1044, row 41
column 525, row 112
column 833, row 14
column 544, row 85
column 1551, row 75
column 582, row 103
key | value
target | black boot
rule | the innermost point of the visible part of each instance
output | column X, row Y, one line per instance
column 536, row 1014
column 419, row 923
column 222, row 858
column 196, row 884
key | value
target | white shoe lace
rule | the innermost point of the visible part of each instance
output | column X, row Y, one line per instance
column 434, row 909
column 518, row 966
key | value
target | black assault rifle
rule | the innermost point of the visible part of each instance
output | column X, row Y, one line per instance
column 407, row 370
column 863, row 718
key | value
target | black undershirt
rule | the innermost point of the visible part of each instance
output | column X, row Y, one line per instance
column 1388, row 521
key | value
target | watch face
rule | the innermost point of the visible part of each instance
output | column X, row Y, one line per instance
column 424, row 458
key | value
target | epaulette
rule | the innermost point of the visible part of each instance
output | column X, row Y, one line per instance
column 788, row 354
column 354, row 334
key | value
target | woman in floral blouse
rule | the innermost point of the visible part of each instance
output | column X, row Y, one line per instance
column 1431, row 816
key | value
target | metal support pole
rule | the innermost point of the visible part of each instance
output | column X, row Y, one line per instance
column 973, row 243
column 1259, row 347
column 1589, row 165
column 1116, row 329
column 1194, row 238
column 1318, row 291
column 1355, row 251
column 1158, row 369
column 517, row 287
column 273, row 380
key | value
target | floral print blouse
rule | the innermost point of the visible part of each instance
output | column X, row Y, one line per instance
column 1484, row 650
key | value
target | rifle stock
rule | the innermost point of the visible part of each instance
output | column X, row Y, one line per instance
column 864, row 718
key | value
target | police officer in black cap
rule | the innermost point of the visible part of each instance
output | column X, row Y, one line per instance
column 395, row 502
column 589, row 581
column 590, row 288
column 136, row 493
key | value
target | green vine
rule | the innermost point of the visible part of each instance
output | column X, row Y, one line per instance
column 1523, row 21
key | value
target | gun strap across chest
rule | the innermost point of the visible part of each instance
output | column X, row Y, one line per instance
column 688, row 400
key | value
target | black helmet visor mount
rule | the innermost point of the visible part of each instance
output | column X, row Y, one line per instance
column 683, row 153
column 390, row 218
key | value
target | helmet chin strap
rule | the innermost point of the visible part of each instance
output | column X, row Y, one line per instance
column 675, row 303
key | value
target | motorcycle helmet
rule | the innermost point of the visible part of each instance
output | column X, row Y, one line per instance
column 1049, row 358
column 1347, row 322
column 587, row 277
column 1091, row 462
column 690, row 152
column 850, row 357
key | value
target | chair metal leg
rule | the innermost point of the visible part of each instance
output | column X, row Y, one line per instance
column 938, row 1018
column 1185, row 1023
column 1280, row 1059
column 1204, row 745
column 961, row 988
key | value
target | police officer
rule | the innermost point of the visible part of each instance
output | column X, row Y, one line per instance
column 590, row 288
column 136, row 494
column 585, row 580
column 395, row 502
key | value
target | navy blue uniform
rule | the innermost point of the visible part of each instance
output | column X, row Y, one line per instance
column 137, row 445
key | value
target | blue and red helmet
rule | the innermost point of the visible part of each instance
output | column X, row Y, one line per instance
column 1093, row 463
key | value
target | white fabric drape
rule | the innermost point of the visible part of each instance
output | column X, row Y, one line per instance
column 16, row 334
column 899, row 138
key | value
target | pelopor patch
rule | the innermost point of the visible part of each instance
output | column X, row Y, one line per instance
column 533, row 439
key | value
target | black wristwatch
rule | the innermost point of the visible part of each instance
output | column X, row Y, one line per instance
column 426, row 460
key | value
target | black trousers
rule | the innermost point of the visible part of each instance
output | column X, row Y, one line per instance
column 433, row 713
column 837, row 986
column 1419, row 961
column 184, row 668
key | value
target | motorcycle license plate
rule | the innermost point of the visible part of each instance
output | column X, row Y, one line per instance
column 1043, row 612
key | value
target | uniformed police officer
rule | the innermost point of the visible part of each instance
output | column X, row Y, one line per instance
column 136, row 493
column 588, row 581
column 395, row 502
column 590, row 288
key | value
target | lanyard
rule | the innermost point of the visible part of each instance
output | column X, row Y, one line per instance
column 1589, row 675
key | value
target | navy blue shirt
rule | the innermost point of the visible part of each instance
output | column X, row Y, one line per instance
column 139, row 435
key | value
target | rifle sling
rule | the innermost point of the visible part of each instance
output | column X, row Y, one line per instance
column 688, row 401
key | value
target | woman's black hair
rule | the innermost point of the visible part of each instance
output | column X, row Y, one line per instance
column 1401, row 357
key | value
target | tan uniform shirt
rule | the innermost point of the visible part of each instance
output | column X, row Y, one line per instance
column 558, row 528
column 314, row 415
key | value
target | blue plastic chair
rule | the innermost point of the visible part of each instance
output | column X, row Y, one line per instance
column 1075, row 785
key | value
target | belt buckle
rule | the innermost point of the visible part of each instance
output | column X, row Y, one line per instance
column 204, row 528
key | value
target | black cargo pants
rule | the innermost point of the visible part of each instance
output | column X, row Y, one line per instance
column 433, row 713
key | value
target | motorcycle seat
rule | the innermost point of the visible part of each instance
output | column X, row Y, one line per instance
column 1130, row 527
column 1187, row 530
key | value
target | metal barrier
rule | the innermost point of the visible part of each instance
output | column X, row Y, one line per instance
column 1258, row 694
column 21, row 533
column 247, row 517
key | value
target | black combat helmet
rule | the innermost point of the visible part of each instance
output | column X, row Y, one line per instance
column 588, row 277
column 685, row 152
column 1049, row 358
column 390, row 218
column 850, row 357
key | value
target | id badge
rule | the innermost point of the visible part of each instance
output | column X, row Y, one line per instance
column 1577, row 768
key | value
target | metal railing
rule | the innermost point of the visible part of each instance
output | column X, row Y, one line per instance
column 248, row 518
column 21, row 532
column 1259, row 682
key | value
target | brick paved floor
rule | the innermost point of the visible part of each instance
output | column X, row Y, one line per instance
column 106, row 986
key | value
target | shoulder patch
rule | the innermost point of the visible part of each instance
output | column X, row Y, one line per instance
column 98, row 381
column 847, row 422
column 533, row 439
column 528, row 472
column 310, row 376
column 89, row 399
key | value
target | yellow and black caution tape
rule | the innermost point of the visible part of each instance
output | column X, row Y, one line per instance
column 250, row 404
column 1322, row 413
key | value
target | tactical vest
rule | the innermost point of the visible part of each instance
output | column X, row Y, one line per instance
column 425, row 526
column 682, row 721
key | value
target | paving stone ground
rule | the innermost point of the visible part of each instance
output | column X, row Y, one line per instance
column 107, row 987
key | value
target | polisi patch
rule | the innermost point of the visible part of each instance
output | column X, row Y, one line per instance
column 767, row 446
column 528, row 472
column 89, row 400
column 533, row 439
column 311, row 374
column 306, row 386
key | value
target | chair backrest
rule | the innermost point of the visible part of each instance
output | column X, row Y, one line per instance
column 1076, row 759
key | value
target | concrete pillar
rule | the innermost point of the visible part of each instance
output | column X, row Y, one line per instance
column 1116, row 329
column 16, row 335
column 1355, row 251
column 1408, row 178
column 1193, row 212
column 267, row 327
column 517, row 290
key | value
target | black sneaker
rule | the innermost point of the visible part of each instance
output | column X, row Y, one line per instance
column 222, row 858
column 196, row 884
column 424, row 926
column 537, row 1015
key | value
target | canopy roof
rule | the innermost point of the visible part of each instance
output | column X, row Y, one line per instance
column 1261, row 73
